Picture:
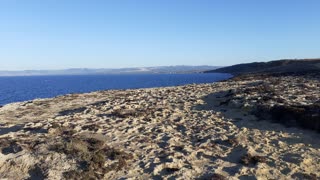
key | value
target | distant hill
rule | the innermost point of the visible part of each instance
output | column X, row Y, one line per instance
column 278, row 66
column 136, row 70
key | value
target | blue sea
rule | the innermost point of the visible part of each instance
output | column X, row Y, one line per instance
column 23, row 88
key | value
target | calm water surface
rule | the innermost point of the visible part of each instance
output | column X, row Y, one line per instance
column 14, row 89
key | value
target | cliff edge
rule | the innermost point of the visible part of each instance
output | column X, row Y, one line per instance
column 299, row 66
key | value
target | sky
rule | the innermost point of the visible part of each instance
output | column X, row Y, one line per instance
column 60, row 34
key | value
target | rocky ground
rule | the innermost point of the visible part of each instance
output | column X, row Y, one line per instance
column 246, row 128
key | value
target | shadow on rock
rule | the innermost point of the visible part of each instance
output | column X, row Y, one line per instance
column 307, row 116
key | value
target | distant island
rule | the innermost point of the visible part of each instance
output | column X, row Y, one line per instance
column 135, row 70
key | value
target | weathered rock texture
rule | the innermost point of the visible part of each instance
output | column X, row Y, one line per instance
column 205, row 131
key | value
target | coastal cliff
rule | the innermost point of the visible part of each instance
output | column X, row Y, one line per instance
column 205, row 131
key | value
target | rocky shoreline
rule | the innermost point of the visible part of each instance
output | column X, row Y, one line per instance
column 222, row 130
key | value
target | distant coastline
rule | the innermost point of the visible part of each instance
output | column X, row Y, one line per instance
column 284, row 66
column 179, row 69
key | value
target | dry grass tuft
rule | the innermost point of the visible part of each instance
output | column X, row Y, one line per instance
column 91, row 155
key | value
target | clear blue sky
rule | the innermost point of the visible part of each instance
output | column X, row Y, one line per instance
column 58, row 34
